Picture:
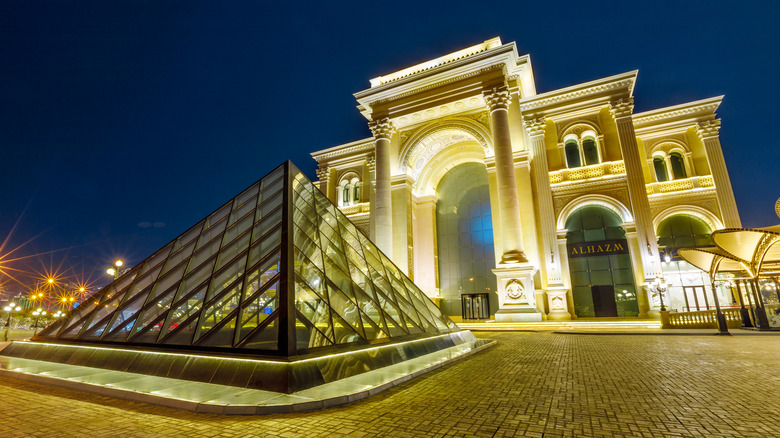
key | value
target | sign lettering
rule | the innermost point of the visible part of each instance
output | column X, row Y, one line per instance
column 605, row 247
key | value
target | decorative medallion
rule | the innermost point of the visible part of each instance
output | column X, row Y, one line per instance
column 515, row 290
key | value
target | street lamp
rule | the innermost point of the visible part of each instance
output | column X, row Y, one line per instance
column 37, row 313
column 114, row 270
column 660, row 287
column 10, row 309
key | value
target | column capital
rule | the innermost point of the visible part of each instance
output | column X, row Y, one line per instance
column 497, row 98
column 535, row 125
column 381, row 128
column 709, row 128
column 622, row 107
column 323, row 173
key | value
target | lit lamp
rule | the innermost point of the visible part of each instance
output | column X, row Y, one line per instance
column 10, row 309
column 660, row 287
column 37, row 313
column 114, row 270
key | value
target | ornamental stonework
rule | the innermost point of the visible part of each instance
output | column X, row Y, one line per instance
column 480, row 117
column 622, row 107
column 620, row 194
column 709, row 203
column 709, row 128
column 382, row 128
column 497, row 98
column 535, row 126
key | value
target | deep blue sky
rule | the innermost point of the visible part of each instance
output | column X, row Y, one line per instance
column 117, row 115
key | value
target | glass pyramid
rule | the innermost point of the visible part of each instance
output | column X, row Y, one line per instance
column 276, row 271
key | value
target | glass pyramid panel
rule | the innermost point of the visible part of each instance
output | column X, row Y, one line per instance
column 265, row 337
column 278, row 269
column 255, row 311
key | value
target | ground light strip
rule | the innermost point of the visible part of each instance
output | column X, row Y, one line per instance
column 241, row 359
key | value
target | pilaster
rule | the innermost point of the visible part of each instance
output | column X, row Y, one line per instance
column 549, row 256
column 708, row 132
column 621, row 110
column 425, row 257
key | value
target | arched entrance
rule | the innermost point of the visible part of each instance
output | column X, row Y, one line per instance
column 602, row 278
column 689, row 287
column 464, row 232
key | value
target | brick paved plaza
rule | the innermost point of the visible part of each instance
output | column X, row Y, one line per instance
column 530, row 384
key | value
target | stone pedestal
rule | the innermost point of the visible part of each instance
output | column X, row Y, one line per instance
column 516, row 298
column 556, row 300
column 654, row 302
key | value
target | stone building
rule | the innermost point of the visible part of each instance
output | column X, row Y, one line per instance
column 556, row 205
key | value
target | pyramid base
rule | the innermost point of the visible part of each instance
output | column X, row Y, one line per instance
column 243, row 372
column 219, row 399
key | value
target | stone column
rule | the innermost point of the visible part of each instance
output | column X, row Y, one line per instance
column 708, row 131
column 383, row 216
column 648, row 246
column 549, row 256
column 497, row 101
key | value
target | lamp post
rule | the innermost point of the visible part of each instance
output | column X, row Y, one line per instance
column 660, row 287
column 114, row 270
column 10, row 309
column 37, row 314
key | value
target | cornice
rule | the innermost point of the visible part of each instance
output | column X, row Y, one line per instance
column 345, row 149
column 436, row 62
column 689, row 110
column 577, row 92
column 437, row 84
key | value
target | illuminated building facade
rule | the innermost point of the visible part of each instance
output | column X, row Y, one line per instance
column 557, row 205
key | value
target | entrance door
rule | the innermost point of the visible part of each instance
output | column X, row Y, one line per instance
column 604, row 300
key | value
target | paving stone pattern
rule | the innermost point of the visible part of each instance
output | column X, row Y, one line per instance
column 530, row 384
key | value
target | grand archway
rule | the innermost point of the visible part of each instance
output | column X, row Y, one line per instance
column 464, row 234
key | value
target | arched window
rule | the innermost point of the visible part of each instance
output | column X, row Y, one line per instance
column 349, row 190
column 683, row 231
column 572, row 154
column 355, row 191
column 590, row 151
column 345, row 195
column 678, row 165
column 659, row 164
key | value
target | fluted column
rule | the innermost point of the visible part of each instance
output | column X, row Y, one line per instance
column 535, row 128
column 648, row 247
column 383, row 216
column 497, row 101
column 708, row 131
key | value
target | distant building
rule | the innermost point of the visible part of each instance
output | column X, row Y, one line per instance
column 557, row 205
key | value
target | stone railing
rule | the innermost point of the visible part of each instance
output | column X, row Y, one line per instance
column 588, row 172
column 701, row 319
column 363, row 207
column 678, row 185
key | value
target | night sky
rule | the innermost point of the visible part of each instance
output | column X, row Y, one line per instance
column 123, row 123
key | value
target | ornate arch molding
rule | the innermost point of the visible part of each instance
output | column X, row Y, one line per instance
column 594, row 199
column 347, row 176
column 413, row 145
column 692, row 210
column 571, row 128
column 667, row 147
column 443, row 162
